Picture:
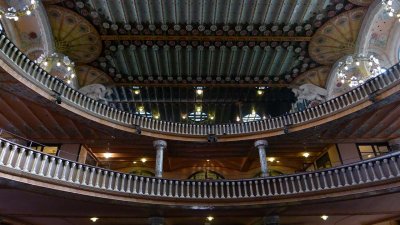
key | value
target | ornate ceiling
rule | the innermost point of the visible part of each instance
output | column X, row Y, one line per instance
column 165, row 49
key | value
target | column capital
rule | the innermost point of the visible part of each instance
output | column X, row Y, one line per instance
column 260, row 143
column 159, row 143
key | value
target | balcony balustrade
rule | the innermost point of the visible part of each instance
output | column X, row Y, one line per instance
column 29, row 163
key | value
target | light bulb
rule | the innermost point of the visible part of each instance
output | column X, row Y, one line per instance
column 238, row 119
column 199, row 91
column 346, row 68
column 306, row 154
column 69, row 68
column 94, row 219
column 107, row 155
column 58, row 64
column 357, row 63
column 33, row 2
column 28, row 12
column 68, row 81
column 143, row 160
column 390, row 2
column 16, row 18
column 391, row 14
column 45, row 63
column 72, row 75
column 210, row 218
column 324, row 217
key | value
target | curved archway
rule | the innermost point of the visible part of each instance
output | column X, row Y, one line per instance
column 206, row 175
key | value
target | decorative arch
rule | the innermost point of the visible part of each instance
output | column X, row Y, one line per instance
column 206, row 175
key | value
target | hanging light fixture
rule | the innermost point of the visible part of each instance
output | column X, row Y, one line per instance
column 371, row 64
column 60, row 63
column 388, row 6
column 13, row 14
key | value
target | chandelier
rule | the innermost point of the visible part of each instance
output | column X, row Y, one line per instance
column 370, row 63
column 58, row 65
column 388, row 6
column 14, row 14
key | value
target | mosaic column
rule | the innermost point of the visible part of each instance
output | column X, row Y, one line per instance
column 160, row 145
column 261, row 145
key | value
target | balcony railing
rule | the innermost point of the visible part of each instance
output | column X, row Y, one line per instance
column 28, row 162
column 33, row 72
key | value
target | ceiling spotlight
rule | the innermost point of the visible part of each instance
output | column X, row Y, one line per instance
column 199, row 90
column 212, row 118
column 134, row 162
column 210, row 218
column 208, row 160
column 198, row 108
column 306, row 154
column 156, row 117
column 143, row 160
column 136, row 92
column 94, row 219
column 324, row 217
column 260, row 92
column 237, row 119
column 271, row 159
column 278, row 161
column 184, row 116
column 107, row 155
column 141, row 109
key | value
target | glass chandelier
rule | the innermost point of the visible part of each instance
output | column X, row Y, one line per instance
column 388, row 6
column 371, row 64
column 13, row 14
column 58, row 65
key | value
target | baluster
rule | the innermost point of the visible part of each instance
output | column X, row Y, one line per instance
column 287, row 185
column 146, row 190
column 71, row 173
column 228, row 190
column 78, row 174
column 299, row 184
column 20, row 155
column 395, row 165
column 210, row 194
column 360, row 178
column 383, row 177
column 27, row 161
column 193, row 189
column 280, row 186
column 216, row 190
column 134, row 185
column 35, row 162
column 331, row 179
column 338, row 178
column 324, row 179
column 97, row 185
column 141, row 186
column 205, row 189
column 116, row 188
column 343, row 171
column 366, row 173
column 187, row 189
column 158, row 187
column 176, row 195
column 182, row 195
column 91, row 174
column 373, row 171
column 43, row 164
column 11, row 157
column 245, row 189
column 251, row 188
column 311, row 181
column 233, row 190
column 110, row 181
column 305, row 184
column 257, row 188
column 275, row 188
column 293, row 185
column 85, row 171
column 66, row 164
column 386, row 162
column 164, row 188
column 262, row 188
column 103, row 184
column 269, row 188
column 240, row 190
column 318, row 181
column 128, row 186
column 353, row 182
column 199, row 195
column 170, row 188
column 152, row 186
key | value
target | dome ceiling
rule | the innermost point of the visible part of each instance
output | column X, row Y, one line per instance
column 165, row 49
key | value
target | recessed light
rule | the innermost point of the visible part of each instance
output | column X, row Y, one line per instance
column 271, row 159
column 134, row 162
column 94, row 219
column 210, row 218
column 306, row 154
column 107, row 155
column 143, row 160
column 208, row 160
column 324, row 217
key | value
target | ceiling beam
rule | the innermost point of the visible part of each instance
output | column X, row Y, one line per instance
column 203, row 38
column 217, row 84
